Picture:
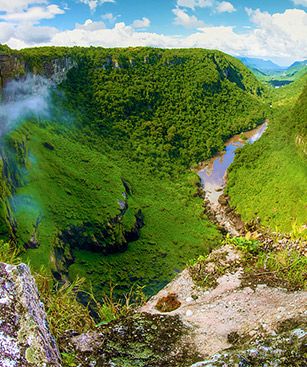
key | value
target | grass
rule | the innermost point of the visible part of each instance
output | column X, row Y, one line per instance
column 289, row 266
column 261, row 265
column 64, row 311
column 9, row 254
column 285, row 268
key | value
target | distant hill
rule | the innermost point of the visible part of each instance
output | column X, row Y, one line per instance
column 297, row 69
column 297, row 64
column 260, row 65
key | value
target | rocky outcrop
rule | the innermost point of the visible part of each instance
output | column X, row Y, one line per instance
column 231, row 312
column 141, row 340
column 108, row 238
column 11, row 66
column 25, row 338
column 55, row 69
column 280, row 350
column 15, row 66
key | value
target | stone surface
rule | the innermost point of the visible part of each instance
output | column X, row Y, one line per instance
column 229, row 308
column 285, row 349
column 136, row 340
column 25, row 338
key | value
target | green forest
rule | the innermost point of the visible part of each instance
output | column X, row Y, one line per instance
column 104, row 187
column 268, row 178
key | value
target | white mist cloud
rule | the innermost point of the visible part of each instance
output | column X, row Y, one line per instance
column 7, row 31
column 192, row 4
column 35, row 34
column 24, row 98
column 186, row 20
column 110, row 17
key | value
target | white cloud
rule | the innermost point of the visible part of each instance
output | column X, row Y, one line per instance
column 6, row 32
column 35, row 34
column 18, row 5
column 94, row 3
column 187, row 3
column 33, row 14
column 141, row 23
column 110, row 17
column 89, row 25
column 279, row 35
column 225, row 7
column 186, row 20
column 192, row 4
column 300, row 2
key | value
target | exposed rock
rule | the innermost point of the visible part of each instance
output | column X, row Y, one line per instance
column 140, row 340
column 285, row 349
column 11, row 66
column 25, row 338
column 229, row 311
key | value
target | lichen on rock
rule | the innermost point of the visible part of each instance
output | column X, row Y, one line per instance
column 137, row 340
column 25, row 338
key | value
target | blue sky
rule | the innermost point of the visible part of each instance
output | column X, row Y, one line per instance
column 274, row 29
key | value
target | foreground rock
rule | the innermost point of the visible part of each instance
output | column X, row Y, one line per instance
column 285, row 349
column 138, row 340
column 25, row 338
column 231, row 310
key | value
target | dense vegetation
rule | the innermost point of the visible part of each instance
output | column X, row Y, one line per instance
column 118, row 170
column 170, row 107
column 269, row 178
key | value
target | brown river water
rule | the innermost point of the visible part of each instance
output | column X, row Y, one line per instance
column 213, row 172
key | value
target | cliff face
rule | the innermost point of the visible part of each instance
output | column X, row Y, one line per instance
column 11, row 66
column 15, row 66
column 25, row 338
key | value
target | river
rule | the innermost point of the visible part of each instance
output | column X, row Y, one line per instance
column 213, row 172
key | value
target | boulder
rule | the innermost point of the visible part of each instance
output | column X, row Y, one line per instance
column 25, row 337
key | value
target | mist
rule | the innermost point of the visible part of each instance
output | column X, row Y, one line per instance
column 28, row 97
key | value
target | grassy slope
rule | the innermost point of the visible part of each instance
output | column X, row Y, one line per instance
column 63, row 188
column 147, row 124
column 269, row 178
column 175, row 231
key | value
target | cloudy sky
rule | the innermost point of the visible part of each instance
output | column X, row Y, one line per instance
column 271, row 29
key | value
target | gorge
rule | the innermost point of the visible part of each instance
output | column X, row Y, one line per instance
column 99, row 153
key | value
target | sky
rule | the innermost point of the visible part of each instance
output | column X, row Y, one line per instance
column 268, row 29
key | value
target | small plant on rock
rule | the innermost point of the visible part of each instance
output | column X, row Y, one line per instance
column 168, row 303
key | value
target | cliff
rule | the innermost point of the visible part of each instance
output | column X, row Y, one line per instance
column 25, row 338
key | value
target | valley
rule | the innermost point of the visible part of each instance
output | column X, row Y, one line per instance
column 159, row 138
column 127, row 172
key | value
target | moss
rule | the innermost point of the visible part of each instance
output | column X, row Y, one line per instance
column 168, row 303
column 142, row 340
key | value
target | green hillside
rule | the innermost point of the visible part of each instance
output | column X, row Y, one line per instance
column 108, row 195
column 269, row 178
